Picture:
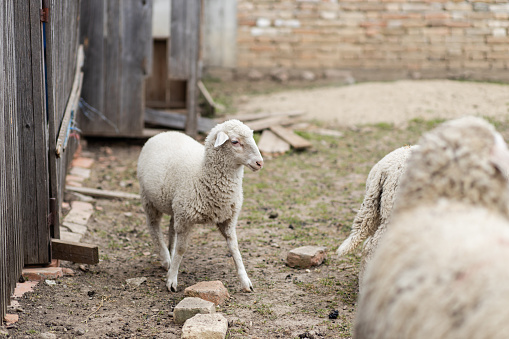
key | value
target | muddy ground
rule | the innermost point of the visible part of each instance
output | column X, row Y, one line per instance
column 297, row 199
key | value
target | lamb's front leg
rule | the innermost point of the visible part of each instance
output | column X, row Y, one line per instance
column 227, row 229
column 181, row 235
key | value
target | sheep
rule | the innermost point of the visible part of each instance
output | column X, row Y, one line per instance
column 440, row 270
column 374, row 214
column 196, row 184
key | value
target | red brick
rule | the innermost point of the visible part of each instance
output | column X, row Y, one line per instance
column 82, row 162
column 11, row 319
column 306, row 256
column 22, row 288
column 213, row 291
column 42, row 273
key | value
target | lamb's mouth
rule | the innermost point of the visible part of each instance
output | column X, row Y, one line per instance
column 253, row 168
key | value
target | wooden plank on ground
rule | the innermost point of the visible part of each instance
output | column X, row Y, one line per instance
column 271, row 143
column 290, row 137
column 257, row 116
column 102, row 193
column 175, row 120
column 262, row 124
column 74, row 251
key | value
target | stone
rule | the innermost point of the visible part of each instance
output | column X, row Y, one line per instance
column 308, row 76
column 80, row 172
column 205, row 326
column 213, row 291
column 280, row 75
column 48, row 335
column 136, row 282
column 306, row 256
column 70, row 236
column 75, row 228
column 80, row 213
column 42, row 273
column 191, row 306
column 255, row 75
column 344, row 77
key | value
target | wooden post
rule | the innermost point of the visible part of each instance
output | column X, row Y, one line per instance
column 185, row 54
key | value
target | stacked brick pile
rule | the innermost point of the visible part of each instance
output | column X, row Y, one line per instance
column 375, row 39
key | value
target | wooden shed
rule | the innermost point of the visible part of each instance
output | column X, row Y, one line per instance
column 41, row 80
column 121, row 55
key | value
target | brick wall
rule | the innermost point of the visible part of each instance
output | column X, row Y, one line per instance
column 375, row 39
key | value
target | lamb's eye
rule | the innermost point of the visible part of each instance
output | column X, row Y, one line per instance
column 235, row 142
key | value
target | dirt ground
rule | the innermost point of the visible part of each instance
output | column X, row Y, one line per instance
column 300, row 198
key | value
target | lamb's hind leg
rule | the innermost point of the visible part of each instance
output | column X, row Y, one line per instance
column 154, row 225
column 181, row 237
column 227, row 229
column 172, row 238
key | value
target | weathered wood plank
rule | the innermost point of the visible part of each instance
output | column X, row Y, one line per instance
column 220, row 33
column 91, row 36
column 208, row 98
column 258, row 125
column 175, row 120
column 102, row 193
column 72, row 104
column 270, row 143
column 33, row 138
column 258, row 116
column 11, row 249
column 75, row 251
column 290, row 137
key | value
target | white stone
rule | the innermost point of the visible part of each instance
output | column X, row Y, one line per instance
column 263, row 22
column 191, row 306
column 135, row 282
column 205, row 326
column 499, row 32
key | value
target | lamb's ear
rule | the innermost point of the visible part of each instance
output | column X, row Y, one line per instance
column 221, row 138
column 499, row 156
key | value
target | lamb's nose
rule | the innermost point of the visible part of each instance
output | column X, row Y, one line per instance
column 260, row 163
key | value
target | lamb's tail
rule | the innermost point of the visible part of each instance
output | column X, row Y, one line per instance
column 367, row 219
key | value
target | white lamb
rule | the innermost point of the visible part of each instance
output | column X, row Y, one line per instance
column 196, row 184
column 374, row 214
column 440, row 270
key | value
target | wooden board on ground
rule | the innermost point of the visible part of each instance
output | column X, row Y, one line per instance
column 290, row 137
column 258, row 125
column 102, row 193
column 271, row 143
column 74, row 251
column 175, row 120
column 256, row 116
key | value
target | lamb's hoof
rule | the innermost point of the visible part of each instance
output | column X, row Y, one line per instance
column 171, row 287
column 248, row 288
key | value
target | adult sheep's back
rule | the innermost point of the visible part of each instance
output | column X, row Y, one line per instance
column 444, row 277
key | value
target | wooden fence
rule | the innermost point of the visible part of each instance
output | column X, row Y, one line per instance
column 11, row 253
column 38, row 55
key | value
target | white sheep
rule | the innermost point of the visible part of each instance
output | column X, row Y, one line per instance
column 374, row 214
column 196, row 184
column 440, row 270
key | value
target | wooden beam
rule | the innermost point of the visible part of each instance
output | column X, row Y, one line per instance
column 72, row 103
column 271, row 143
column 290, row 137
column 208, row 97
column 102, row 193
column 257, row 116
column 258, row 125
column 175, row 120
column 74, row 251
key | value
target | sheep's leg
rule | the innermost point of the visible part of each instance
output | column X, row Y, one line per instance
column 179, row 250
column 154, row 225
column 172, row 238
column 227, row 229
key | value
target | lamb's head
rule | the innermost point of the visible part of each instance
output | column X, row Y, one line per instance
column 464, row 160
column 235, row 139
